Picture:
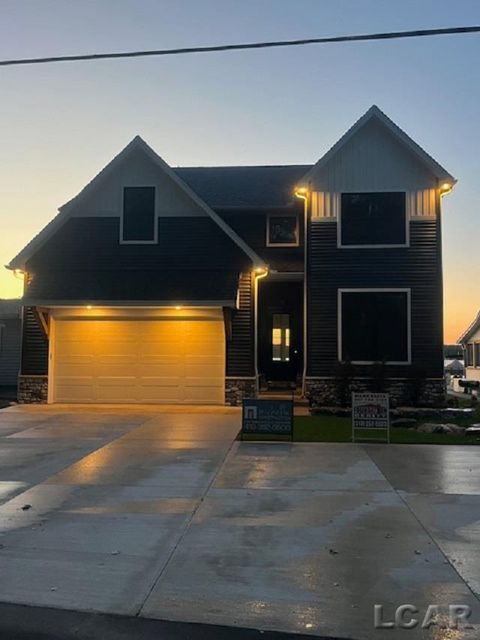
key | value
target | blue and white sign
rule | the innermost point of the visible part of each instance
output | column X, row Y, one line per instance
column 267, row 417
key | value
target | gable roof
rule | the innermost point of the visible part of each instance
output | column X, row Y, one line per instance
column 245, row 186
column 375, row 113
column 471, row 330
column 65, row 211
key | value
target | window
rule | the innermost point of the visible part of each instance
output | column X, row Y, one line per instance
column 477, row 354
column 469, row 355
column 374, row 326
column 281, row 337
column 282, row 230
column 138, row 221
column 373, row 220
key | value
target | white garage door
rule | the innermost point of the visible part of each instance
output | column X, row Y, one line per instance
column 162, row 360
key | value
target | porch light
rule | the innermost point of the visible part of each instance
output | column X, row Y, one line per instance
column 178, row 307
column 445, row 188
column 89, row 306
column 18, row 273
column 301, row 192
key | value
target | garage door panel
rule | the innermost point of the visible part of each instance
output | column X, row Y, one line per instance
column 204, row 394
column 80, row 369
column 74, row 390
column 176, row 361
column 116, row 390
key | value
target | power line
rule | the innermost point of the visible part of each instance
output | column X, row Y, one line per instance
column 418, row 33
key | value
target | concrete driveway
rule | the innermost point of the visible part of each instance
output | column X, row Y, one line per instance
column 160, row 513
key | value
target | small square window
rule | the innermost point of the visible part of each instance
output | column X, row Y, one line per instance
column 282, row 231
column 138, row 219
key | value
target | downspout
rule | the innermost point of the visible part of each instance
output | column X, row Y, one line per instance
column 303, row 195
column 258, row 274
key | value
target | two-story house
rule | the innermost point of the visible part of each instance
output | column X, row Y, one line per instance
column 205, row 284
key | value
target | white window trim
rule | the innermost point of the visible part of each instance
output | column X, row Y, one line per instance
column 373, row 246
column 155, row 213
column 283, row 244
column 408, row 291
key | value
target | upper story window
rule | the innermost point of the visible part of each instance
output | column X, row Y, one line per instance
column 282, row 230
column 376, row 219
column 138, row 222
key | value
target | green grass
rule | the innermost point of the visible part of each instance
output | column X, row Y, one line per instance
column 334, row 429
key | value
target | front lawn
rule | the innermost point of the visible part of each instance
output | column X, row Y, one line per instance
column 325, row 428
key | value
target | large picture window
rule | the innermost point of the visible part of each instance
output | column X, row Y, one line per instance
column 374, row 326
column 138, row 220
column 373, row 219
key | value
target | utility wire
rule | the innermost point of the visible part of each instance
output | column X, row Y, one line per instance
column 252, row 45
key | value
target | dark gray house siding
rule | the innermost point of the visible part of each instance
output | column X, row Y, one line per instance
column 417, row 267
column 34, row 345
column 10, row 349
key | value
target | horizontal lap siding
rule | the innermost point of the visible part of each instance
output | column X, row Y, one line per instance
column 417, row 267
column 183, row 243
column 10, row 351
column 34, row 345
column 240, row 360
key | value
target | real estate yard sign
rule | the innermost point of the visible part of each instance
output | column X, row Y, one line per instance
column 370, row 412
column 268, row 418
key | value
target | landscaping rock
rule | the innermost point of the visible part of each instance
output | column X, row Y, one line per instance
column 431, row 427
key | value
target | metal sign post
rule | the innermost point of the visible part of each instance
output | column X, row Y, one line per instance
column 370, row 412
column 267, row 417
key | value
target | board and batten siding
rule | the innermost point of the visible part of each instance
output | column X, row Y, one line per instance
column 420, row 204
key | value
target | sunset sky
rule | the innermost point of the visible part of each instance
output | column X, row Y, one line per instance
column 61, row 123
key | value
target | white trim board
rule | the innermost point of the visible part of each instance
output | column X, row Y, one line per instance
column 406, row 290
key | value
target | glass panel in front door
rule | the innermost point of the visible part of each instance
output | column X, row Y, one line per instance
column 281, row 337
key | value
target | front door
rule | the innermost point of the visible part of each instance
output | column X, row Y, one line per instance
column 280, row 324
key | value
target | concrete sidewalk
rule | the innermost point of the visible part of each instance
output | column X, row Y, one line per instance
column 162, row 514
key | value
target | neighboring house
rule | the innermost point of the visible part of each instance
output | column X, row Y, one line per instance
column 454, row 367
column 201, row 284
column 10, row 341
column 470, row 341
